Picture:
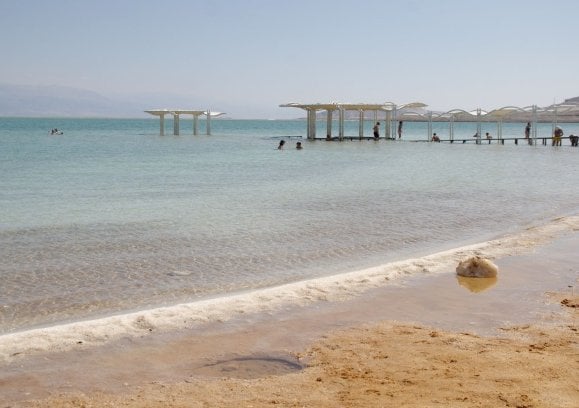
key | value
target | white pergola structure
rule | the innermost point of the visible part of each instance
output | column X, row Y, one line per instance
column 560, row 110
column 532, row 114
column 477, row 115
column 388, row 108
column 177, row 112
column 414, row 111
column 500, row 115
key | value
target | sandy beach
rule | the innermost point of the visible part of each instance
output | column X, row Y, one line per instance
column 428, row 341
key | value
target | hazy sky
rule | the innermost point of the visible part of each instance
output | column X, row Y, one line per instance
column 258, row 54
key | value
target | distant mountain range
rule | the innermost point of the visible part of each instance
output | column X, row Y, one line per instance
column 61, row 101
column 32, row 101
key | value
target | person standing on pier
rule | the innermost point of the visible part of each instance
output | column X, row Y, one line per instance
column 400, row 129
column 528, row 130
column 376, row 129
column 557, row 136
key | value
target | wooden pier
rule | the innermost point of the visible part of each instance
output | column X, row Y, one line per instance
column 515, row 140
column 528, row 141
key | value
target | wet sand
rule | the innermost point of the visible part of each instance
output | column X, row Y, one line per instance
column 430, row 341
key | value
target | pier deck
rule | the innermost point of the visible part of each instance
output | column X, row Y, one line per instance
column 515, row 140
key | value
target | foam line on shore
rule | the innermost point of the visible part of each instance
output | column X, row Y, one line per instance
column 332, row 288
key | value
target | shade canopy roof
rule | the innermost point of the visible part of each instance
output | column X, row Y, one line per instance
column 385, row 106
column 415, row 109
column 160, row 112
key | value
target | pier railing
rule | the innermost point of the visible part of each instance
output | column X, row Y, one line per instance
column 461, row 140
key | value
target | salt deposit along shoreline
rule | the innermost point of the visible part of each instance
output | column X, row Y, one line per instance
column 159, row 347
column 272, row 300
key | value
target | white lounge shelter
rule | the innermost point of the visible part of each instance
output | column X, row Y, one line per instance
column 388, row 108
column 177, row 112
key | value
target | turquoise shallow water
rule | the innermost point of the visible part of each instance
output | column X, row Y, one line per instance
column 110, row 216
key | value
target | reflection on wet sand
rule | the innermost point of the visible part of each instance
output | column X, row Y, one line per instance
column 476, row 285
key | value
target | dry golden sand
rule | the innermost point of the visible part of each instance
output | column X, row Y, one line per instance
column 392, row 365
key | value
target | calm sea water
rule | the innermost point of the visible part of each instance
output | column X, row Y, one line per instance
column 111, row 217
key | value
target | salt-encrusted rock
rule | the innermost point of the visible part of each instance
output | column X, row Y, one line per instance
column 477, row 267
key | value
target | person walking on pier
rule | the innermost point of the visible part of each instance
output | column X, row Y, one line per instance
column 400, row 129
column 376, row 130
column 280, row 145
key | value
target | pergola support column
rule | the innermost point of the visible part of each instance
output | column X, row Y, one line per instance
column 534, row 125
column 162, row 125
column 341, row 123
column 195, row 124
column 478, row 126
column 314, row 123
column 175, row 124
column 555, row 122
column 393, row 122
column 329, row 122
column 451, row 129
column 311, row 124
column 361, row 124
column 429, row 135
column 208, row 122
